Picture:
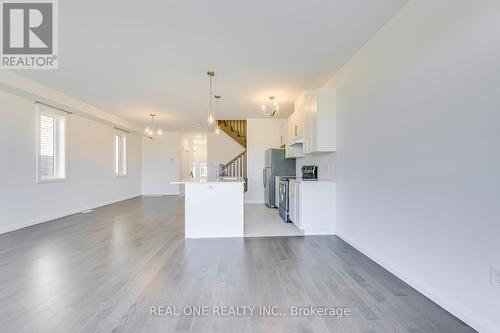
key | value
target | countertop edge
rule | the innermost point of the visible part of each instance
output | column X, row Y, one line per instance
column 312, row 181
column 188, row 182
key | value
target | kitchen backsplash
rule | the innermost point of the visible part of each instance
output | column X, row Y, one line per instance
column 325, row 162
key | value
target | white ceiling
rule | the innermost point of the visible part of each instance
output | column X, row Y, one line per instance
column 132, row 58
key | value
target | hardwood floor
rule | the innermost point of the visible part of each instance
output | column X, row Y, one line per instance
column 103, row 271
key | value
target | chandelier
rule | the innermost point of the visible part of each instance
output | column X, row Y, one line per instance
column 152, row 132
column 271, row 108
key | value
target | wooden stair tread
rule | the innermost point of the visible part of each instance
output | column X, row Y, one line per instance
column 236, row 129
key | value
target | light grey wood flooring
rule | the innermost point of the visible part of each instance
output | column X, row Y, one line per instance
column 102, row 271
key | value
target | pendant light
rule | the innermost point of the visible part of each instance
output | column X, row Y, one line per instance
column 152, row 132
column 211, row 115
column 216, row 117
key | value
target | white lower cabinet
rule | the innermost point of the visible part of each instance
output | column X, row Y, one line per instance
column 312, row 206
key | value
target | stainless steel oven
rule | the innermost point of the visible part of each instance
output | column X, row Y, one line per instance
column 283, row 198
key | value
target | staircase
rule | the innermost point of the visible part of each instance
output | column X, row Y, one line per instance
column 236, row 129
column 237, row 167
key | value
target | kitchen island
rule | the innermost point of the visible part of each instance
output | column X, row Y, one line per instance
column 213, row 207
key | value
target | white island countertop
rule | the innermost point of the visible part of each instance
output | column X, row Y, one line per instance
column 309, row 180
column 209, row 181
column 213, row 208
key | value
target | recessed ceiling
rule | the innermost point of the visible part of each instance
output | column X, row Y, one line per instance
column 134, row 58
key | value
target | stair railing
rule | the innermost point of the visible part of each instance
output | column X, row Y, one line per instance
column 237, row 167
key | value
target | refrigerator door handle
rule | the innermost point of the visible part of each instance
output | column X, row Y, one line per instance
column 264, row 177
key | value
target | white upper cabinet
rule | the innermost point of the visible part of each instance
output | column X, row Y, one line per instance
column 291, row 151
column 311, row 128
column 298, row 117
column 310, row 119
column 286, row 137
column 293, row 134
column 320, row 120
column 283, row 140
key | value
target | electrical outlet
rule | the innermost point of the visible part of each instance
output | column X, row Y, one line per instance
column 495, row 276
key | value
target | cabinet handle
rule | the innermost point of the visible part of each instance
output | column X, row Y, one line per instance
column 295, row 130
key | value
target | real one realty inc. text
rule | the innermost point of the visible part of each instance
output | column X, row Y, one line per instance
column 248, row 310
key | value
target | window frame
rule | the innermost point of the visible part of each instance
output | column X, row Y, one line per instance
column 123, row 155
column 61, row 144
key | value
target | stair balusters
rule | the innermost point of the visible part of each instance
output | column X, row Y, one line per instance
column 237, row 167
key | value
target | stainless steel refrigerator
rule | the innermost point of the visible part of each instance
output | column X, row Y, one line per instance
column 276, row 165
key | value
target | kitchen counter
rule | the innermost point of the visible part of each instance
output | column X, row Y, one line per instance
column 312, row 205
column 213, row 207
column 308, row 180
column 212, row 181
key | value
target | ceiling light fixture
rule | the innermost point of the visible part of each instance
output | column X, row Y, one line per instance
column 152, row 132
column 211, row 115
column 217, row 130
column 272, row 108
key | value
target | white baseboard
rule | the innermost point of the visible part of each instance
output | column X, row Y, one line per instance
column 458, row 310
column 58, row 215
column 251, row 202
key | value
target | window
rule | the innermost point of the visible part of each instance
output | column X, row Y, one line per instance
column 120, row 153
column 203, row 169
column 51, row 161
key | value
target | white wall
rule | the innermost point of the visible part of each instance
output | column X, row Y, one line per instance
column 185, row 160
column 221, row 149
column 325, row 161
column 418, row 177
column 91, row 181
column 161, row 163
column 186, row 157
column 262, row 134
column 21, row 86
